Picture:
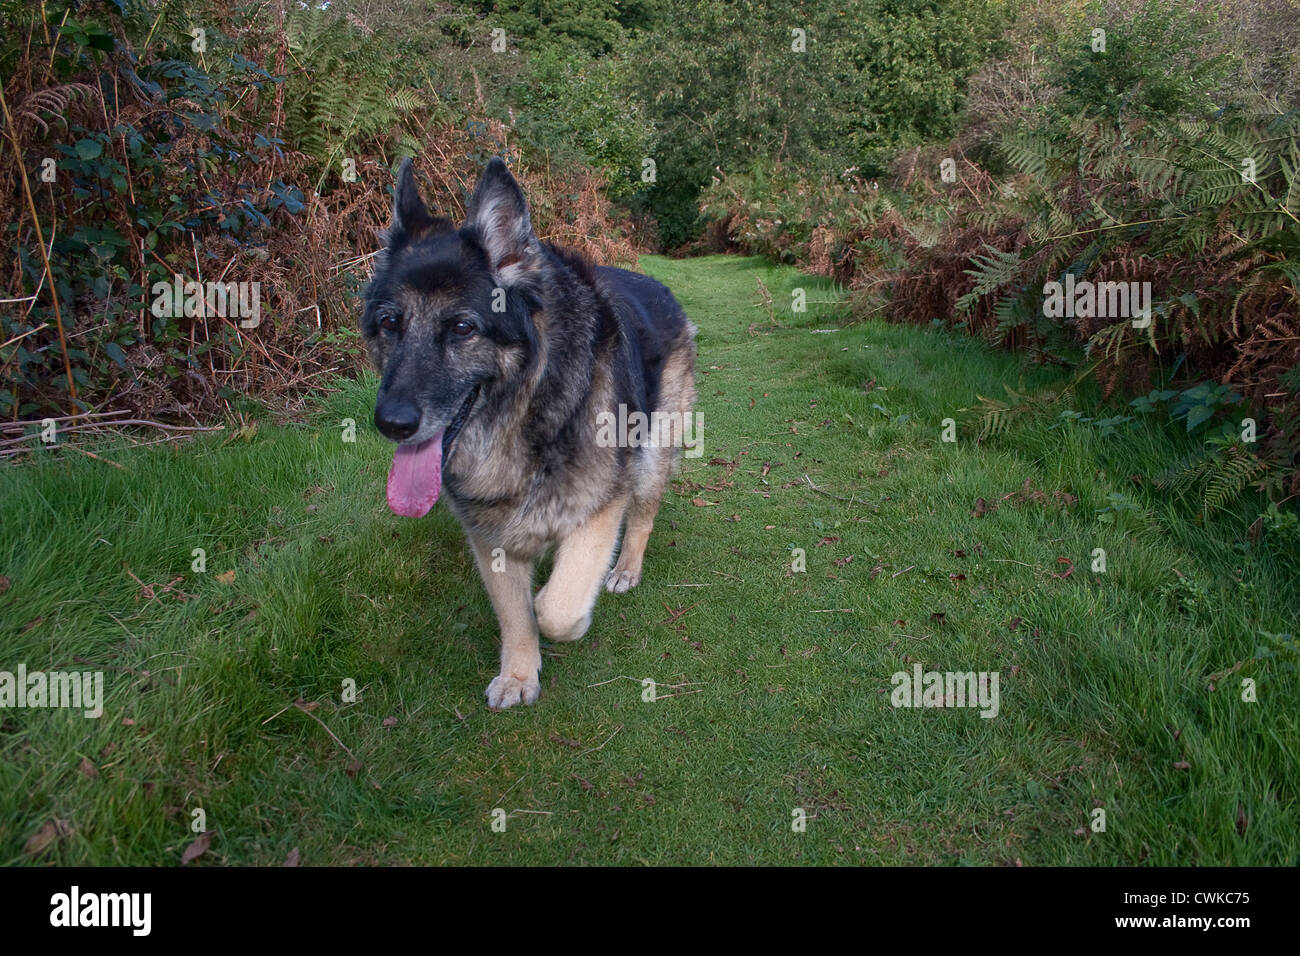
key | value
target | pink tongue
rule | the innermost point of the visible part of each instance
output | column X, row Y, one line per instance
column 415, row 479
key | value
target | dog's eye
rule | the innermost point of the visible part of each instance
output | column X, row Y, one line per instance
column 390, row 320
column 462, row 328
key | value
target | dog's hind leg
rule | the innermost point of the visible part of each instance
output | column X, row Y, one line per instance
column 677, row 389
column 641, row 510
column 627, row 573
column 509, row 582
column 581, row 560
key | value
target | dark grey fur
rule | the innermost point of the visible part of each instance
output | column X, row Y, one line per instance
column 524, row 472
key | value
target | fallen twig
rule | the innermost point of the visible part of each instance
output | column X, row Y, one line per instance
column 851, row 499
column 602, row 746
column 302, row 707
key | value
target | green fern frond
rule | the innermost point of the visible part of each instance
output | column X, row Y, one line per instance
column 1218, row 476
column 991, row 272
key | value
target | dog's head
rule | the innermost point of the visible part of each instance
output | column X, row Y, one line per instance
column 448, row 319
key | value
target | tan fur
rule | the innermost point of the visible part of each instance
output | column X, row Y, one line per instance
column 581, row 561
column 585, row 530
column 530, row 467
column 677, row 394
column 521, row 658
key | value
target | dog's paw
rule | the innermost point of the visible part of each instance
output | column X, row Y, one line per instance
column 506, row 691
column 621, row 580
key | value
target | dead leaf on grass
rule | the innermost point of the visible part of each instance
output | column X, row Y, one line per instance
column 197, row 848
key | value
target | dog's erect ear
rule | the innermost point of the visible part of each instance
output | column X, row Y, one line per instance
column 411, row 219
column 498, row 213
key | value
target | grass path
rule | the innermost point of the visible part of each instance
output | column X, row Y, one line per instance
column 775, row 684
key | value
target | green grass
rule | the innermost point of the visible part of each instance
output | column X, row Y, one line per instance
column 781, row 679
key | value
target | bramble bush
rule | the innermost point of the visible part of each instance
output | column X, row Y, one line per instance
column 230, row 142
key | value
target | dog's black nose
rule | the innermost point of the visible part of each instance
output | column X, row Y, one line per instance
column 397, row 420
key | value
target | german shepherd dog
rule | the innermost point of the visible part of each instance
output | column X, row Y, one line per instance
column 501, row 359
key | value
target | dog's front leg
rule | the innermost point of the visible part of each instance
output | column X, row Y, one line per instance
column 509, row 583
